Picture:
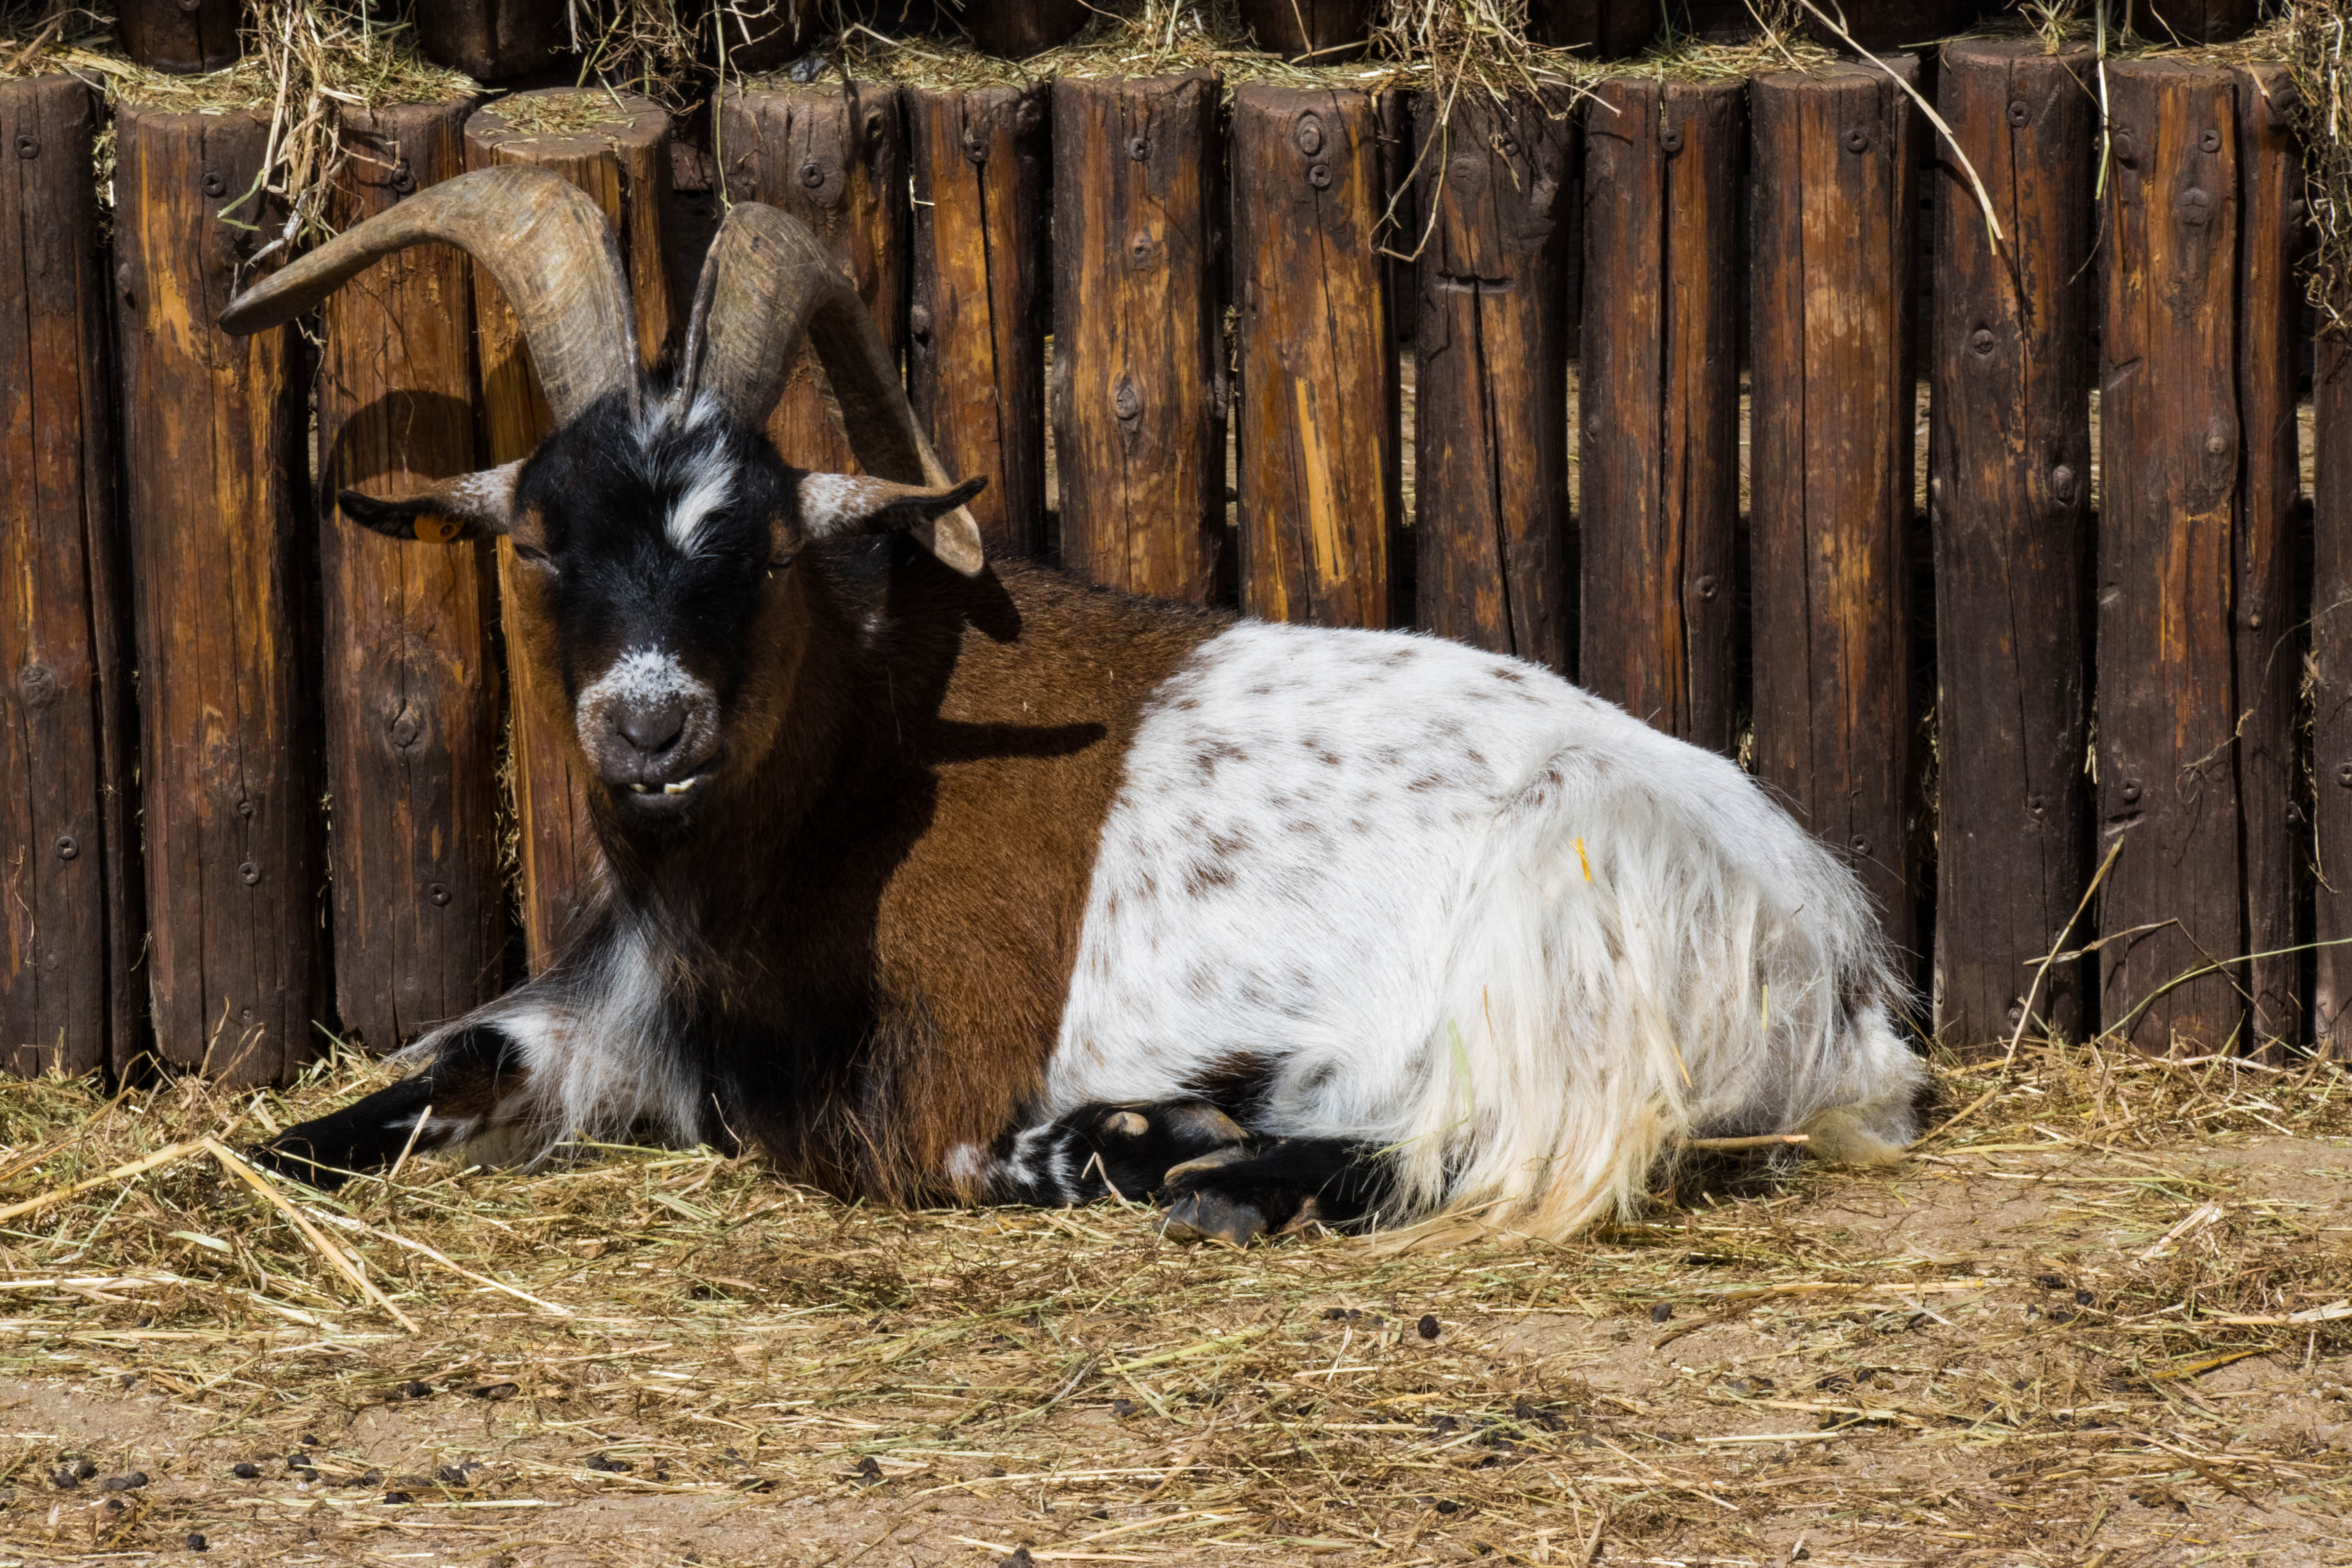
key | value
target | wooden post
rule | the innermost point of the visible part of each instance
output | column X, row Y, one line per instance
column 2269, row 646
column 413, row 687
column 2169, row 452
column 70, row 1000
column 180, row 38
column 2331, row 668
column 1832, row 406
column 1491, row 431
column 835, row 157
column 2190, row 21
column 624, row 164
column 1320, row 32
column 214, row 509
column 493, row 40
column 1139, row 381
column 1015, row 29
column 1321, row 515
column 1609, row 29
column 1661, row 377
column 1883, row 24
column 976, row 329
column 2009, row 501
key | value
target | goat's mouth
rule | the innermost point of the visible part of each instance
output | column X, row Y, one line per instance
column 664, row 799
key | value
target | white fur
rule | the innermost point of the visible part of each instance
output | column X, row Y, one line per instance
column 1356, row 855
column 643, row 677
column 709, row 488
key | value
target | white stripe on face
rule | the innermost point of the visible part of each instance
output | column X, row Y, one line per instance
column 710, row 488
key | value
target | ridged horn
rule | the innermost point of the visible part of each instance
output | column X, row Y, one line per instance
column 545, row 241
column 766, row 284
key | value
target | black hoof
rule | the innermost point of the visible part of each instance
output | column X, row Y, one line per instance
column 1266, row 1187
column 1213, row 1216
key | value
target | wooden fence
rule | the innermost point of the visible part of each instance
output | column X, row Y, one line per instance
column 2066, row 662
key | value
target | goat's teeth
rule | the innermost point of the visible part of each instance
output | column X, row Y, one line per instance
column 678, row 788
column 639, row 788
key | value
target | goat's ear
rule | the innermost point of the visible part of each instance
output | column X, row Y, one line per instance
column 834, row 506
column 465, row 507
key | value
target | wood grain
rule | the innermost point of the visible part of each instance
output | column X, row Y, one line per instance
column 180, row 38
column 1833, row 418
column 976, row 329
column 69, row 872
column 494, row 40
column 1015, row 29
column 216, row 509
column 835, row 157
column 1320, row 32
column 1492, row 325
column 1321, row 515
column 1139, row 381
column 1605, row 29
column 2169, row 453
column 2270, row 239
column 1660, row 378
column 413, row 689
column 2010, row 502
column 626, row 167
column 2331, row 674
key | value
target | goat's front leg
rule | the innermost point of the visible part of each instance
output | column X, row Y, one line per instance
column 474, row 1085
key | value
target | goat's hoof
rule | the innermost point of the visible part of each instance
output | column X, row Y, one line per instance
column 1211, row 1216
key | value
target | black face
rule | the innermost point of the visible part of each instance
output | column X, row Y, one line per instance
column 654, row 538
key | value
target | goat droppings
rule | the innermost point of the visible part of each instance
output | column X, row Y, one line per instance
column 1429, row 1327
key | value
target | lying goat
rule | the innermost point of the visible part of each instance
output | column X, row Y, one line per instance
column 935, row 878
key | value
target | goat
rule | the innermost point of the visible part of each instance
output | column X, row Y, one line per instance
column 938, row 879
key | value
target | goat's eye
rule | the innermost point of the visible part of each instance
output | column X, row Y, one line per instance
column 530, row 552
column 778, row 561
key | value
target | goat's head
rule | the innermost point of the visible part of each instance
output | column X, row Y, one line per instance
column 654, row 532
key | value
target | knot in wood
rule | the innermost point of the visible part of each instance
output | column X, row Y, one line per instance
column 1125, row 401
column 2019, row 114
column 2344, row 775
column 249, row 873
column 1706, row 586
column 1309, row 135
column 2036, row 807
column 811, row 176
column 2131, row 790
column 68, row 846
column 404, row 729
column 2208, row 141
column 2126, row 147
column 2062, row 484
column 438, row 892
column 1319, row 175
column 2194, row 208
column 39, row 685
column 244, row 808
column 1139, row 250
column 1980, row 341
column 27, row 144
column 214, row 185
column 1857, row 140
column 1138, row 148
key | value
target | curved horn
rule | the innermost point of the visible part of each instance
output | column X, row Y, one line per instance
column 545, row 241
column 766, row 284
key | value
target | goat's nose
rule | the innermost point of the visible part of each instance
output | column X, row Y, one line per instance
column 651, row 727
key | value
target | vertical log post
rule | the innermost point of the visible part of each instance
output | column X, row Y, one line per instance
column 2009, row 501
column 2169, row 456
column 1139, row 380
column 976, row 329
column 1833, row 404
column 180, row 38
column 1018, row 28
column 68, row 849
column 492, row 40
column 2269, row 646
column 413, row 700
column 215, row 509
column 1321, row 515
column 2331, row 667
column 624, row 164
column 1491, row 427
column 835, row 157
column 1661, row 377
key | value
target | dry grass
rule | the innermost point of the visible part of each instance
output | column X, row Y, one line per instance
column 2064, row 1309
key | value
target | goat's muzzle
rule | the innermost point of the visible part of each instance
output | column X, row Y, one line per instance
column 651, row 730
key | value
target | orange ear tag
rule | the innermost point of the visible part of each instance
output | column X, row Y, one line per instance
column 436, row 529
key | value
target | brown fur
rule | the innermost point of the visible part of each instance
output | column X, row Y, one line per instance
column 877, row 918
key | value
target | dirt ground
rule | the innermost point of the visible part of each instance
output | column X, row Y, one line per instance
column 2015, row 1348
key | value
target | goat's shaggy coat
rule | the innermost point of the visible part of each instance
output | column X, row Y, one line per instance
column 980, row 884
